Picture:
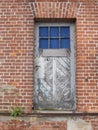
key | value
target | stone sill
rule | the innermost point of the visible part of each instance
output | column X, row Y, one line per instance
column 50, row 111
column 52, row 114
column 62, row 113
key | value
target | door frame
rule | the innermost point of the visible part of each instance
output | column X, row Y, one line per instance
column 72, row 47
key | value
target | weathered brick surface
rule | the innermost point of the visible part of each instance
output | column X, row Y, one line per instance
column 16, row 49
column 17, row 124
column 93, row 120
column 22, row 125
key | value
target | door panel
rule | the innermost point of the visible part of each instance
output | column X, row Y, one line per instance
column 52, row 82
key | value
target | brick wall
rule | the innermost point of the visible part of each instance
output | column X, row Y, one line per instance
column 38, row 123
column 21, row 125
column 17, row 19
column 86, row 15
column 16, row 55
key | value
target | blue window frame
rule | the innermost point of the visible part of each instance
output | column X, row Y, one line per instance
column 54, row 37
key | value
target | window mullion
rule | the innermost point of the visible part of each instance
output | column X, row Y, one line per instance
column 48, row 37
column 59, row 37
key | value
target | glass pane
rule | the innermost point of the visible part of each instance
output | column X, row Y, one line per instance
column 65, row 31
column 54, row 43
column 43, row 43
column 54, row 32
column 43, row 31
column 65, row 43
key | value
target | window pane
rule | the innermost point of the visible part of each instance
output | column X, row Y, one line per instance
column 65, row 43
column 54, row 32
column 43, row 43
column 54, row 43
column 65, row 31
column 43, row 31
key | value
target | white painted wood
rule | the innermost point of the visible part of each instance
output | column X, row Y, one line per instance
column 54, row 52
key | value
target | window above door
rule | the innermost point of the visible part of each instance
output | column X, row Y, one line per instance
column 54, row 37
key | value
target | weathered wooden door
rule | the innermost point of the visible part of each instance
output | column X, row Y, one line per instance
column 53, row 79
